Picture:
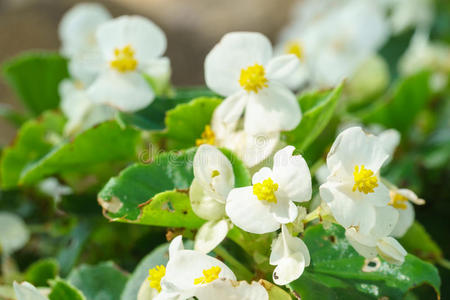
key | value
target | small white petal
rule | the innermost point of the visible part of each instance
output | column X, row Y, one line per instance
column 284, row 211
column 274, row 108
column 210, row 235
column 405, row 220
column 146, row 292
column 204, row 204
column 365, row 245
column 231, row 109
column 249, row 213
column 176, row 245
column 262, row 175
column 26, row 291
column 391, row 250
column 281, row 68
column 232, row 290
column 234, row 52
column 411, row 196
column 145, row 38
column 389, row 140
column 289, row 269
column 292, row 174
column 386, row 218
column 128, row 92
column 13, row 233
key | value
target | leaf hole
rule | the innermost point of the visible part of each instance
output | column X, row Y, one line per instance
column 371, row 265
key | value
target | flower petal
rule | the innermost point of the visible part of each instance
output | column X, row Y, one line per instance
column 205, row 205
column 213, row 171
column 405, row 220
column 210, row 235
column 272, row 109
column 391, row 250
column 363, row 244
column 286, row 244
column 230, row 110
column 385, row 220
column 176, row 245
column 232, row 290
column 353, row 147
column 146, row 292
column 289, row 269
column 249, row 213
column 389, row 139
column 145, row 37
column 262, row 175
column 282, row 68
column 234, row 52
column 284, row 211
column 26, row 291
column 128, row 92
column 292, row 174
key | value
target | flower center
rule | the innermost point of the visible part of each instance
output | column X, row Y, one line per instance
column 253, row 78
column 124, row 59
column 398, row 201
column 155, row 275
column 365, row 181
column 295, row 48
column 215, row 173
column 266, row 190
column 207, row 137
column 209, row 275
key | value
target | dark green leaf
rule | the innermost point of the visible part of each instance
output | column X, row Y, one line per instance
column 103, row 281
column 338, row 272
column 317, row 108
column 32, row 142
column 418, row 242
column 41, row 271
column 186, row 122
column 35, row 77
column 62, row 290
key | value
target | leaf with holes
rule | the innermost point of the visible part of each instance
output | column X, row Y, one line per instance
column 317, row 108
column 337, row 271
column 35, row 77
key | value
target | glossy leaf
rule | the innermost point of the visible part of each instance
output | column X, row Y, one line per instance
column 103, row 281
column 32, row 142
column 337, row 271
column 317, row 108
column 62, row 290
column 186, row 122
column 41, row 271
column 35, row 77
column 104, row 143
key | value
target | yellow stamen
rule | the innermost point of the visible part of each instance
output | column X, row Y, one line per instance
column 155, row 275
column 294, row 47
column 266, row 190
column 365, row 181
column 253, row 78
column 209, row 275
column 215, row 173
column 124, row 59
column 207, row 137
column 398, row 201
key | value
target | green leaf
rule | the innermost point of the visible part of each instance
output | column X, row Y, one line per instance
column 104, row 143
column 158, row 256
column 317, row 108
column 103, row 281
column 418, row 242
column 338, row 272
column 32, row 142
column 400, row 110
column 275, row 292
column 62, row 290
column 156, row 194
column 35, row 77
column 41, row 271
column 186, row 122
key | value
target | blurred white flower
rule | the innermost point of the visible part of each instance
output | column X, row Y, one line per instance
column 213, row 180
column 354, row 189
column 79, row 109
column 51, row 187
column 405, row 14
column 130, row 47
column 193, row 274
column 377, row 240
column 14, row 234
column 241, row 68
column 290, row 256
column 26, row 291
column 267, row 204
column 400, row 200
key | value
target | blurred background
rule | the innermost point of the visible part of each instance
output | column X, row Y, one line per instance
column 192, row 28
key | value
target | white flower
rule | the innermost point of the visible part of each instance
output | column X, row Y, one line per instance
column 224, row 289
column 14, row 234
column 400, row 200
column 354, row 188
column 290, row 255
column 130, row 46
column 261, row 208
column 80, row 111
column 77, row 34
column 409, row 13
column 213, row 180
column 241, row 68
column 377, row 240
column 26, row 291
column 51, row 186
